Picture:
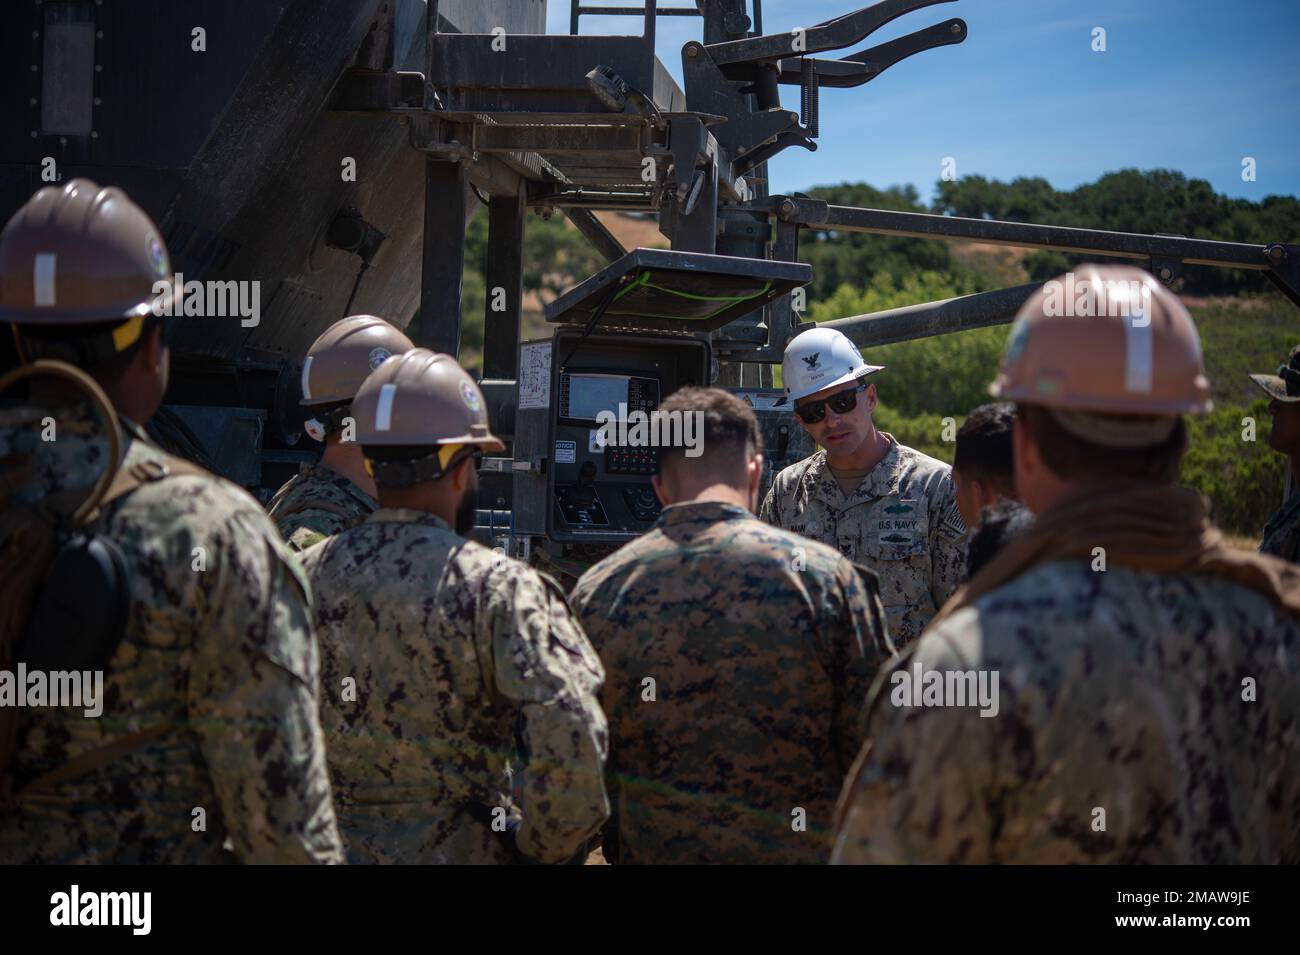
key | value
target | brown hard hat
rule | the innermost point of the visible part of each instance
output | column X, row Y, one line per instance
column 81, row 253
column 1107, row 340
column 341, row 358
column 422, row 397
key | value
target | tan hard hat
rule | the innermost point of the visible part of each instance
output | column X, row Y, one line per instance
column 348, row 351
column 1108, row 340
column 81, row 253
column 422, row 398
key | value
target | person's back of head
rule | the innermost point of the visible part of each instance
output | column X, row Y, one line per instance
column 338, row 363
column 714, row 451
column 1102, row 364
column 423, row 426
column 84, row 276
column 998, row 526
column 983, row 467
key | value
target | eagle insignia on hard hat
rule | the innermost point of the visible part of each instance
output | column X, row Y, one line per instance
column 471, row 397
column 157, row 257
column 811, row 360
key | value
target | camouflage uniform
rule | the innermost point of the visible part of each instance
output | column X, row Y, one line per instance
column 902, row 523
column 1282, row 532
column 317, row 503
column 217, row 642
column 761, row 645
column 452, row 650
column 1120, row 691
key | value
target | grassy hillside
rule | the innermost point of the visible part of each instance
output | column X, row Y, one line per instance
column 925, row 381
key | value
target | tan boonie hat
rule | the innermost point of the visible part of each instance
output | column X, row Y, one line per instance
column 344, row 355
column 81, row 253
column 423, row 398
column 1111, row 352
column 1285, row 385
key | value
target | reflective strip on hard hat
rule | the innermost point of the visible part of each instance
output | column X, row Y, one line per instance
column 1138, row 355
column 43, row 277
column 384, row 410
column 306, row 379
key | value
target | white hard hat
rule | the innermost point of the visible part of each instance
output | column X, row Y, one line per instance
column 821, row 358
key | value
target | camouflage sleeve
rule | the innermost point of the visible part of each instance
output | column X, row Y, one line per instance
column 948, row 538
column 767, row 510
column 544, row 663
column 919, row 790
column 253, row 699
column 858, row 649
column 585, row 600
column 302, row 529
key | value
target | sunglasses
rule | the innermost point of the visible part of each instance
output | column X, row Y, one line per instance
column 842, row 402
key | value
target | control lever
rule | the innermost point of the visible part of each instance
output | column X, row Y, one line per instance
column 850, row 29
column 584, row 494
column 859, row 68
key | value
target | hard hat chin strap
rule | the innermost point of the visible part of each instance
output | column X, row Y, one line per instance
column 406, row 473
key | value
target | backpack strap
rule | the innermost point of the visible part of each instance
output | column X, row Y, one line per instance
column 124, row 480
column 90, row 388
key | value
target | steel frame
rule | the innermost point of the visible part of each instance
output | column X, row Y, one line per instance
column 526, row 130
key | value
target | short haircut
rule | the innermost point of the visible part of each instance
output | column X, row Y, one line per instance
column 1074, row 458
column 729, row 426
column 999, row 525
column 984, row 447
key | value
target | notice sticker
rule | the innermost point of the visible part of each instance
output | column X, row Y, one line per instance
column 535, row 375
column 566, row 452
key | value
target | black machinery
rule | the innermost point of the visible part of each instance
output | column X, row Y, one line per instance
column 334, row 150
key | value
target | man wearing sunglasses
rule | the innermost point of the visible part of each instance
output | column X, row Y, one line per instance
column 878, row 502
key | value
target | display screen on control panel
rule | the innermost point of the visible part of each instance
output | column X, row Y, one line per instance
column 589, row 395
column 585, row 394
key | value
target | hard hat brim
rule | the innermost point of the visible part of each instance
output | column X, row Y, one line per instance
column 1274, row 387
column 488, row 444
column 97, row 315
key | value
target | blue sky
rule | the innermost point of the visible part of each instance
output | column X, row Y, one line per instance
column 1191, row 85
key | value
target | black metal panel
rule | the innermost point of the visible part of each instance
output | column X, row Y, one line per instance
column 677, row 291
column 504, row 272
column 443, row 261
column 542, row 73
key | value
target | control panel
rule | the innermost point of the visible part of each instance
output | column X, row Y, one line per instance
column 587, row 432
